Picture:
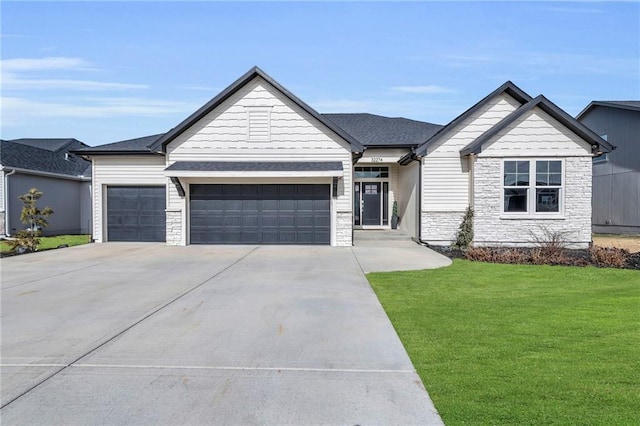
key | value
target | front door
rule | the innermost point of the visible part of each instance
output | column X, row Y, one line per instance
column 371, row 206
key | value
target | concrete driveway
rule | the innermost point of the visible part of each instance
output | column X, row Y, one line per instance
column 149, row 334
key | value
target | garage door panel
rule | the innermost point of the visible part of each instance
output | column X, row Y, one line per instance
column 261, row 214
column 136, row 213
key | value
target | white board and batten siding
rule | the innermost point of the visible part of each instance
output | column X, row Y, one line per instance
column 120, row 170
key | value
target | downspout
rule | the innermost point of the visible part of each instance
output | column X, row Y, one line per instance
column 419, row 203
column 406, row 160
column 6, row 203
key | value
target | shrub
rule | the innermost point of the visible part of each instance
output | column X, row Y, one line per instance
column 609, row 257
column 552, row 244
column 480, row 254
column 464, row 238
column 35, row 218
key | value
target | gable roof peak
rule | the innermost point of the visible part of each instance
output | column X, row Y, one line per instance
column 540, row 101
column 507, row 87
column 160, row 144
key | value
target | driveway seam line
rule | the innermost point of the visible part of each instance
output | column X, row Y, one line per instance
column 196, row 367
column 358, row 262
column 129, row 327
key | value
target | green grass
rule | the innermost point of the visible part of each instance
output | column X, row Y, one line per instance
column 53, row 242
column 521, row 345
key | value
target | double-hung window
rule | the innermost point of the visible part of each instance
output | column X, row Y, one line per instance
column 532, row 187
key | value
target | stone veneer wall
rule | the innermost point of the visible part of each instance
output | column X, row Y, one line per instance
column 174, row 227
column 2, row 227
column 344, row 229
column 492, row 230
column 440, row 228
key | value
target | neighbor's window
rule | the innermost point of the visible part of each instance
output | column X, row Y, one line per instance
column 532, row 186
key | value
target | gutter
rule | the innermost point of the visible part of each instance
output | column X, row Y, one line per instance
column 6, row 203
column 50, row 174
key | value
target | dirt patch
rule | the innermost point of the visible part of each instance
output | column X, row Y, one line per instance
column 628, row 242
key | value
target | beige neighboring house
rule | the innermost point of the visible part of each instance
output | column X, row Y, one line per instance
column 256, row 165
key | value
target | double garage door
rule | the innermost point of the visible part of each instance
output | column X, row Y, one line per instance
column 260, row 214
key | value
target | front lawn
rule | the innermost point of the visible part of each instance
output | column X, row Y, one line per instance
column 520, row 344
column 53, row 242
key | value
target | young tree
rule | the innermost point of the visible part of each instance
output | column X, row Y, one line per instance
column 35, row 218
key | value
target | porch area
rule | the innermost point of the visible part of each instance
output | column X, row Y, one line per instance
column 385, row 250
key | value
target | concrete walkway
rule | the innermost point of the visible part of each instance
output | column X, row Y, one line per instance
column 147, row 334
column 391, row 250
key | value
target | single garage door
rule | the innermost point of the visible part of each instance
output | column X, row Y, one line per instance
column 260, row 214
column 136, row 213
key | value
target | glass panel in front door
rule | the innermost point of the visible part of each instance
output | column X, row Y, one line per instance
column 371, row 208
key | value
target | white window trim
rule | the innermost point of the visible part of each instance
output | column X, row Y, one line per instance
column 531, row 198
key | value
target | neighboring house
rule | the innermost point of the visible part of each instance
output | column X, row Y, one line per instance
column 256, row 165
column 63, row 177
column 616, row 175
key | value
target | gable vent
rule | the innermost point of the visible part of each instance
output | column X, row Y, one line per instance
column 259, row 123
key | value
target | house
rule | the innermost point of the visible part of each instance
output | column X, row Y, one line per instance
column 616, row 175
column 50, row 166
column 256, row 165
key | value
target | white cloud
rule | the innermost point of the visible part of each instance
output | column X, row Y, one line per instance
column 38, row 64
column 10, row 82
column 18, row 111
column 18, row 74
column 430, row 89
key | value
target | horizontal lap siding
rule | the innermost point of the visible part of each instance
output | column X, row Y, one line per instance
column 445, row 175
column 122, row 170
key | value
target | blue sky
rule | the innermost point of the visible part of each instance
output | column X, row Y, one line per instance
column 108, row 71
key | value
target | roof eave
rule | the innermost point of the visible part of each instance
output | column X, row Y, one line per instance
column 118, row 152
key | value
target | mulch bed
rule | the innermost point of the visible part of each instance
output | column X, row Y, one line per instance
column 609, row 257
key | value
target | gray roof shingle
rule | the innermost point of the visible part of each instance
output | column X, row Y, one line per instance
column 45, row 155
column 376, row 130
column 129, row 146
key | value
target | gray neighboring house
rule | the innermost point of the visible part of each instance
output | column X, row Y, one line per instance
column 616, row 175
column 50, row 166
